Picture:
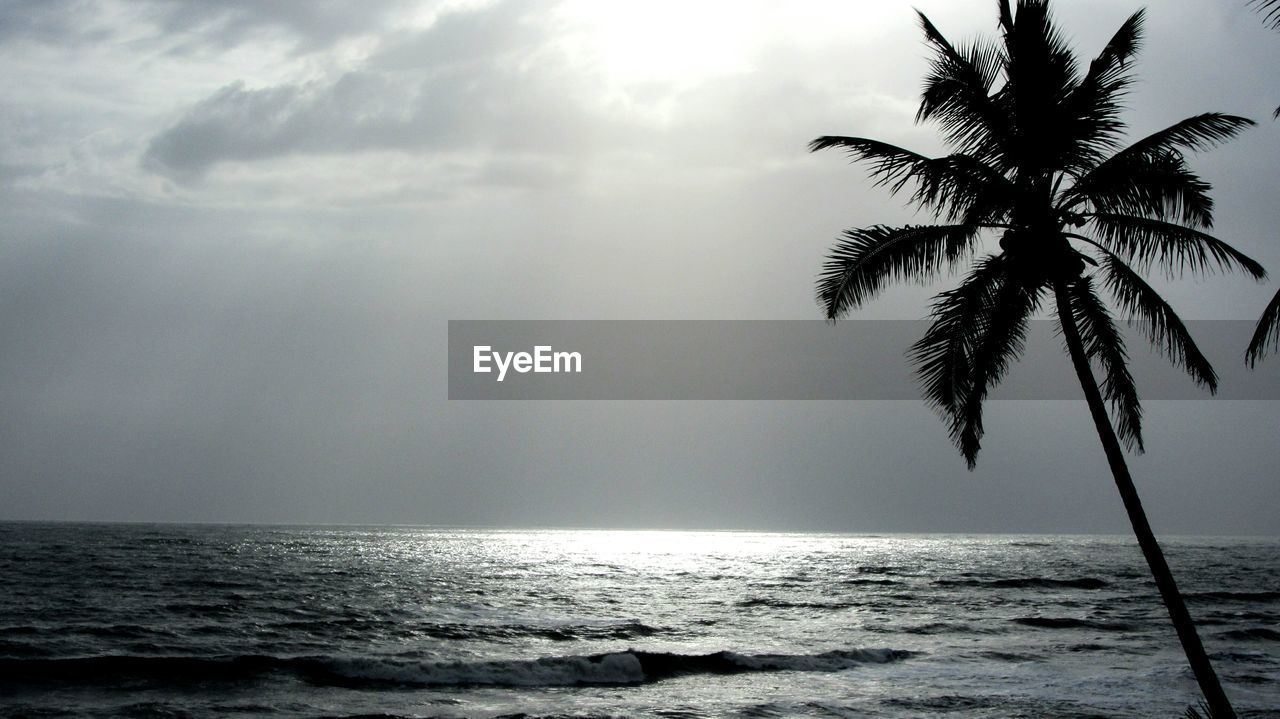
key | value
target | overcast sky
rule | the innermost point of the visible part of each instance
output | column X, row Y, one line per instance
column 233, row 234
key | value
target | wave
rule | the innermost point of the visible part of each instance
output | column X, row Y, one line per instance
column 787, row 604
column 616, row 668
column 23, row 649
column 1026, row 583
column 879, row 569
column 1013, row 657
column 946, row 703
column 362, row 627
column 1071, row 623
column 1234, row 596
column 871, row 582
column 929, row 628
column 520, row 715
column 436, row 630
column 1254, row 634
column 943, row 628
column 1242, row 657
column 1237, row 616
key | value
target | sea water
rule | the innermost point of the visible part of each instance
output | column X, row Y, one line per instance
column 226, row 621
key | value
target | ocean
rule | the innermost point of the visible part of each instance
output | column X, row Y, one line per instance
column 246, row 621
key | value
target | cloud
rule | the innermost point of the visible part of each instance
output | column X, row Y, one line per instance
column 361, row 111
column 263, row 339
column 49, row 21
column 315, row 25
column 475, row 82
column 197, row 25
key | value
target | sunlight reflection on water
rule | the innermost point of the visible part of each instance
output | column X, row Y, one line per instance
column 404, row 620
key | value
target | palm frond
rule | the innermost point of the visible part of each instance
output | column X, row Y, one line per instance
column 955, row 185
column 958, row 94
column 860, row 264
column 1157, row 185
column 1002, row 340
column 978, row 330
column 1064, row 122
column 986, row 195
column 1201, row 711
column 1158, row 320
column 1151, row 178
column 1197, row 133
column 891, row 165
column 1103, row 344
column 1144, row 241
column 1266, row 335
column 1269, row 10
column 943, row 356
column 1120, row 49
column 1092, row 125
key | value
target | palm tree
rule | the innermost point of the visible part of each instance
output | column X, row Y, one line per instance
column 1266, row 336
column 1037, row 160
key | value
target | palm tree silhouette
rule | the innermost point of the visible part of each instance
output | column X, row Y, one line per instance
column 1037, row 160
column 1266, row 336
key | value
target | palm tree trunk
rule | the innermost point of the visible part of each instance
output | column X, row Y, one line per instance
column 1219, row 705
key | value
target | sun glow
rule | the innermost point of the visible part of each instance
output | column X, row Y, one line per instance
column 663, row 41
column 649, row 47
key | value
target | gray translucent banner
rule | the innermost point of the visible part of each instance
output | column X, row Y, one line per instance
column 790, row 360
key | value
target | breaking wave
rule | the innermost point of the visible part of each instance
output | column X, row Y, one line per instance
column 616, row 668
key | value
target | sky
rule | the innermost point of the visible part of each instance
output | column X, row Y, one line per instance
column 234, row 234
